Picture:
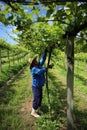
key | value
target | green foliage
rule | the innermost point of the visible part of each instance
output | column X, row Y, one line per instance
column 17, row 48
column 81, row 56
column 13, row 58
column 81, row 117
column 40, row 36
column 43, row 123
column 4, row 44
column 7, row 73
column 66, row 16
column 81, row 42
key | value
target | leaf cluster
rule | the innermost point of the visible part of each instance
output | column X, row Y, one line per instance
column 65, row 18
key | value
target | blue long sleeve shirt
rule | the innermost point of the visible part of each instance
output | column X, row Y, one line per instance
column 38, row 78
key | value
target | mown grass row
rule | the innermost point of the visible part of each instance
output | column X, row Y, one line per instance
column 80, row 76
column 80, row 96
column 11, row 98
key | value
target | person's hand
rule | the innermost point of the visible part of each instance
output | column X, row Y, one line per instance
column 50, row 66
column 46, row 50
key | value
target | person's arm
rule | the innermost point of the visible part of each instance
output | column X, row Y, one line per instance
column 38, row 71
column 43, row 58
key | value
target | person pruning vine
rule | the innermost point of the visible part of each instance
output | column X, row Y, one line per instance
column 38, row 80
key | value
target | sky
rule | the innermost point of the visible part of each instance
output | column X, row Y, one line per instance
column 6, row 32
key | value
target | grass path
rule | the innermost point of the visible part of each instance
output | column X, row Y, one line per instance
column 79, row 95
column 80, row 102
column 25, row 109
column 16, row 103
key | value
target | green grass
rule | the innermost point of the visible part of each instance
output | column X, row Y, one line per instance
column 11, row 98
column 80, row 95
column 80, row 77
column 56, row 118
column 7, row 73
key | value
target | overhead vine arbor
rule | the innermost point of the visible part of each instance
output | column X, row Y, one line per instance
column 64, row 22
column 10, row 53
column 7, row 47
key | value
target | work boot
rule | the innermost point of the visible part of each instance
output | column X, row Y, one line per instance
column 34, row 113
column 39, row 111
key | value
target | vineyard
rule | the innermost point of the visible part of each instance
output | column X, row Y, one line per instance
column 12, row 59
column 61, row 28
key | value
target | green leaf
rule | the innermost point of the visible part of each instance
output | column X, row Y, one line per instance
column 68, row 11
column 67, row 21
column 49, row 12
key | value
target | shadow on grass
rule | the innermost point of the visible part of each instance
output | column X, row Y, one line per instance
column 80, row 119
column 58, row 96
column 58, row 101
column 84, row 80
column 6, row 91
column 8, row 98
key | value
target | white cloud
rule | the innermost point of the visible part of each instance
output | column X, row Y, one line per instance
column 51, row 21
column 13, row 35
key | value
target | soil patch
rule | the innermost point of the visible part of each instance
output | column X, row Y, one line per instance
column 26, row 117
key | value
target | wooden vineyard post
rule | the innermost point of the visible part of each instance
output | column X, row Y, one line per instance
column 18, row 58
column 50, row 52
column 86, row 66
column 13, row 58
column 8, row 58
column 0, row 62
column 70, row 81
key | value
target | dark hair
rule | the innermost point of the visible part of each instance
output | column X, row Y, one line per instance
column 32, row 64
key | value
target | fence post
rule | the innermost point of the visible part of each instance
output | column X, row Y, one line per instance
column 70, row 81
column 8, row 58
column 0, row 62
